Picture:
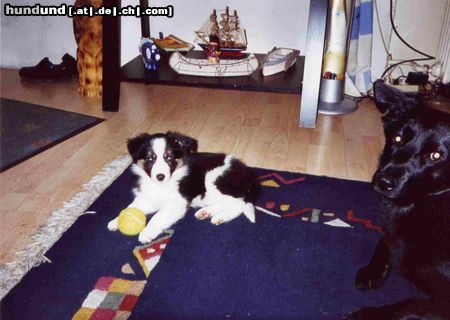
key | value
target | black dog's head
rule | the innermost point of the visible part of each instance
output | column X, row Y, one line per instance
column 415, row 161
column 161, row 153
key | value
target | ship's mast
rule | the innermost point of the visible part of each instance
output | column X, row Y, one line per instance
column 227, row 32
column 236, row 18
column 214, row 24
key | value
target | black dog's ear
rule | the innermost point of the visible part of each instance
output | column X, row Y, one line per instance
column 395, row 105
column 135, row 145
column 182, row 144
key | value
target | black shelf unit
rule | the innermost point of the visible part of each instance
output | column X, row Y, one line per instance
column 307, row 67
column 288, row 82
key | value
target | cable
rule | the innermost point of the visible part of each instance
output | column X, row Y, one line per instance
column 397, row 80
column 401, row 62
column 392, row 70
column 400, row 68
column 357, row 99
column 428, row 57
column 403, row 40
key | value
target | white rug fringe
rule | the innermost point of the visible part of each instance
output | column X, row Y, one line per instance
column 60, row 220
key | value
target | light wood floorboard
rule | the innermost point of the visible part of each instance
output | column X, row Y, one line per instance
column 259, row 128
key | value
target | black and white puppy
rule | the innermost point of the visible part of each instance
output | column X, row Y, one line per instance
column 413, row 180
column 170, row 175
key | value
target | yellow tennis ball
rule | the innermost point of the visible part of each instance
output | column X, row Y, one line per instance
column 131, row 221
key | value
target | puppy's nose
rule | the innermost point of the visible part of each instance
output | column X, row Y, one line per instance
column 160, row 177
column 386, row 183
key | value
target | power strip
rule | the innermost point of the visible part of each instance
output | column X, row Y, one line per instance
column 410, row 88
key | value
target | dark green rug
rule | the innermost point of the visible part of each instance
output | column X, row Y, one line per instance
column 28, row 129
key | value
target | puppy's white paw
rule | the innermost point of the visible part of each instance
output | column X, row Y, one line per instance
column 147, row 235
column 202, row 214
column 224, row 215
column 217, row 221
column 113, row 225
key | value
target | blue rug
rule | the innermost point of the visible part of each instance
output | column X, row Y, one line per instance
column 299, row 266
column 28, row 129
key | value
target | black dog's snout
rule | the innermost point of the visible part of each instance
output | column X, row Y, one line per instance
column 160, row 177
column 386, row 183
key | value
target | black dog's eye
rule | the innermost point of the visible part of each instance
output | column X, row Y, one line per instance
column 151, row 158
column 397, row 139
column 435, row 156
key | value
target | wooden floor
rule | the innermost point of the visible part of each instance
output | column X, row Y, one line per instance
column 260, row 128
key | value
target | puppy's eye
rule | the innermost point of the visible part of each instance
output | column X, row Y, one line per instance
column 397, row 139
column 151, row 158
column 177, row 143
column 435, row 156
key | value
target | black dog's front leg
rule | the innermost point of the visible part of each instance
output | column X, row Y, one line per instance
column 375, row 273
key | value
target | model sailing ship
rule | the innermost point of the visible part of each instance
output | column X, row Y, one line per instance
column 228, row 34
column 203, row 67
column 223, row 43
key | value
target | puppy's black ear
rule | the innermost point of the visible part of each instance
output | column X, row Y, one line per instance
column 182, row 144
column 395, row 105
column 135, row 145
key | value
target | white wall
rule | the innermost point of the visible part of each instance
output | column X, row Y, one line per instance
column 268, row 23
column 419, row 22
column 423, row 35
column 26, row 40
column 379, row 55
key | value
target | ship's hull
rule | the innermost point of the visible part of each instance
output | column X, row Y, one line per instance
column 201, row 67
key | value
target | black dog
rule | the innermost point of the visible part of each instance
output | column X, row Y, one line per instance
column 413, row 179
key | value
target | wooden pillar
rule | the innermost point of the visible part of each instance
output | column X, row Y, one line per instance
column 111, row 59
column 145, row 20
